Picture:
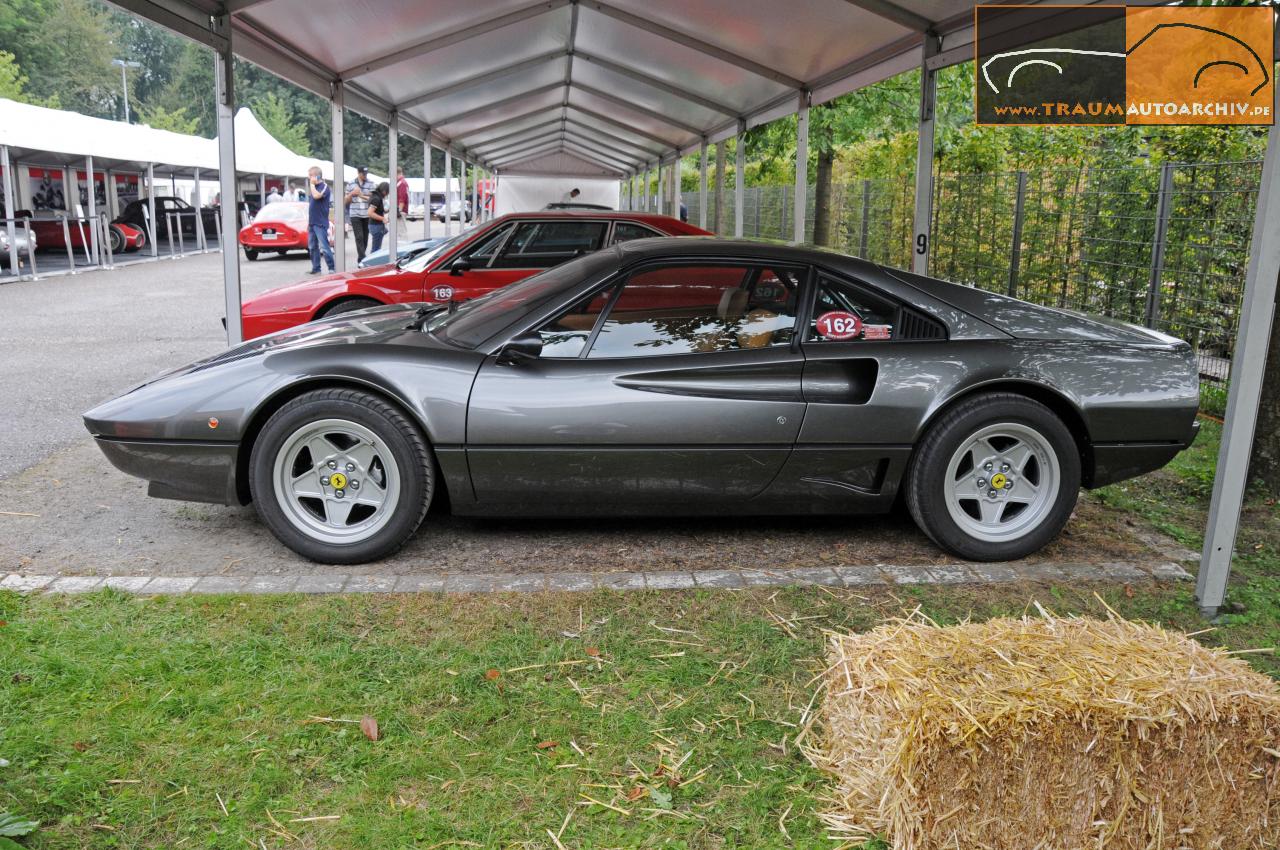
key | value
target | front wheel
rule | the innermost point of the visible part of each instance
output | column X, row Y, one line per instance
column 116, row 235
column 994, row 479
column 348, row 306
column 341, row 476
column 251, row 253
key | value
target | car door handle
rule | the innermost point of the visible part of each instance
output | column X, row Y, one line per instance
column 845, row 381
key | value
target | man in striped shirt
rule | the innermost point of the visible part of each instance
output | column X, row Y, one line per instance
column 357, row 199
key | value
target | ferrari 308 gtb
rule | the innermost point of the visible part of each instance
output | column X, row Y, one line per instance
column 669, row 376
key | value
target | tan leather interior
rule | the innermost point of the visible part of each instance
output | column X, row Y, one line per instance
column 757, row 329
column 733, row 303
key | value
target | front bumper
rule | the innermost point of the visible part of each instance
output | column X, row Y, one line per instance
column 184, row 470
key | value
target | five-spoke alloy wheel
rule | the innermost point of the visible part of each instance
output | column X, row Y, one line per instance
column 341, row 476
column 995, row 478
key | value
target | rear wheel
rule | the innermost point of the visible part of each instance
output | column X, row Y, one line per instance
column 994, row 479
column 341, row 476
column 251, row 253
column 142, row 241
column 350, row 305
column 116, row 236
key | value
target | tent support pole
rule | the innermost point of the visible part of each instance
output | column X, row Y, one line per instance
column 151, row 209
column 924, row 157
column 338, row 188
column 802, row 166
column 9, row 209
column 475, row 183
column 392, row 204
column 448, row 192
column 702, row 184
column 426, row 186
column 224, row 79
column 1248, row 368
column 95, row 246
column 739, row 179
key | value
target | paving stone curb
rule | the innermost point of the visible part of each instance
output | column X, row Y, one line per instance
column 883, row 575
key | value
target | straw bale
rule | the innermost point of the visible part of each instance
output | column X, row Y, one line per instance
column 1047, row 734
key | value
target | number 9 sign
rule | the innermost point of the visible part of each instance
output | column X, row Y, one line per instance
column 839, row 325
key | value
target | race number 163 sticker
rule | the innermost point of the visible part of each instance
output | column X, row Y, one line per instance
column 839, row 325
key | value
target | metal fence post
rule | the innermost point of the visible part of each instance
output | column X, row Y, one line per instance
column 1164, row 203
column 31, row 255
column 1015, row 256
column 866, row 222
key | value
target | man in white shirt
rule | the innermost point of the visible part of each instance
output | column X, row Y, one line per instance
column 570, row 196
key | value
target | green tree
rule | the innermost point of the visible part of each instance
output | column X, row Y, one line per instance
column 277, row 119
column 66, row 48
column 173, row 120
column 13, row 83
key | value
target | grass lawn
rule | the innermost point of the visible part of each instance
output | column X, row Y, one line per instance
column 642, row 719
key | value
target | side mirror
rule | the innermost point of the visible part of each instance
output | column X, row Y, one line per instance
column 460, row 265
column 527, row 346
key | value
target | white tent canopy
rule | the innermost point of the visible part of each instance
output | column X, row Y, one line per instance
column 42, row 136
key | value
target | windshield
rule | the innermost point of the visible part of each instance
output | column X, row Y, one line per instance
column 419, row 261
column 478, row 319
column 287, row 211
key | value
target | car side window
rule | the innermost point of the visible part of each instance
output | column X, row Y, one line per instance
column 688, row 309
column 625, row 231
column 543, row 244
column 566, row 335
column 482, row 252
column 845, row 313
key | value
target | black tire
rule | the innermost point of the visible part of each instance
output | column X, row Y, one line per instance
column 117, row 239
column 347, row 305
column 926, row 475
column 406, row 444
column 142, row 240
column 251, row 253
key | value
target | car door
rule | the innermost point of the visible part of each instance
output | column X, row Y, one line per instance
column 680, row 385
column 871, row 365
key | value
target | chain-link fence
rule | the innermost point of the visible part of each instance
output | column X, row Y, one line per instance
column 1166, row 246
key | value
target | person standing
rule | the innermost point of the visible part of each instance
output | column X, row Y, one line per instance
column 571, row 196
column 321, row 198
column 402, row 202
column 357, row 198
column 378, row 202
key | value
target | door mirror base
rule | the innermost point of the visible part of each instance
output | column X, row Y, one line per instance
column 460, row 265
column 522, row 349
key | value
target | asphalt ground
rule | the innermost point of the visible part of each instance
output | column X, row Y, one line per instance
column 71, row 341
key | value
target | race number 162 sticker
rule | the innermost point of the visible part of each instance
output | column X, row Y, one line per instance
column 839, row 325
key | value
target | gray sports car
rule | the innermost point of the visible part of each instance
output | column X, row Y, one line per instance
column 669, row 376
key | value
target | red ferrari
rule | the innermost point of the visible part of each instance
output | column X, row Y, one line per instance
column 280, row 227
column 481, row 260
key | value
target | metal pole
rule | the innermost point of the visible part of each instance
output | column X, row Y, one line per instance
column 720, row 156
column 739, row 179
column 392, row 204
column 198, row 203
column 224, row 77
column 9, row 210
column 338, row 188
column 426, row 187
column 475, row 185
column 26, row 226
column 96, row 249
column 1164, row 203
column 924, row 157
column 702, row 184
column 151, row 208
column 1247, row 372
column 448, row 195
column 866, row 222
column 802, row 165
column 1015, row 253
column 262, row 191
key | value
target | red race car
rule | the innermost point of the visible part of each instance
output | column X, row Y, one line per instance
column 489, row 257
column 49, row 233
column 280, row 227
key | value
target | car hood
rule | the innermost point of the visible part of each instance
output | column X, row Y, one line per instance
column 1023, row 320
column 364, row 327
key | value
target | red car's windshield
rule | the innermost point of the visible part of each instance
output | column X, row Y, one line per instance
column 286, row 211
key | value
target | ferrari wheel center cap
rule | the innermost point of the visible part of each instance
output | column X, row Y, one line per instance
column 338, row 480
